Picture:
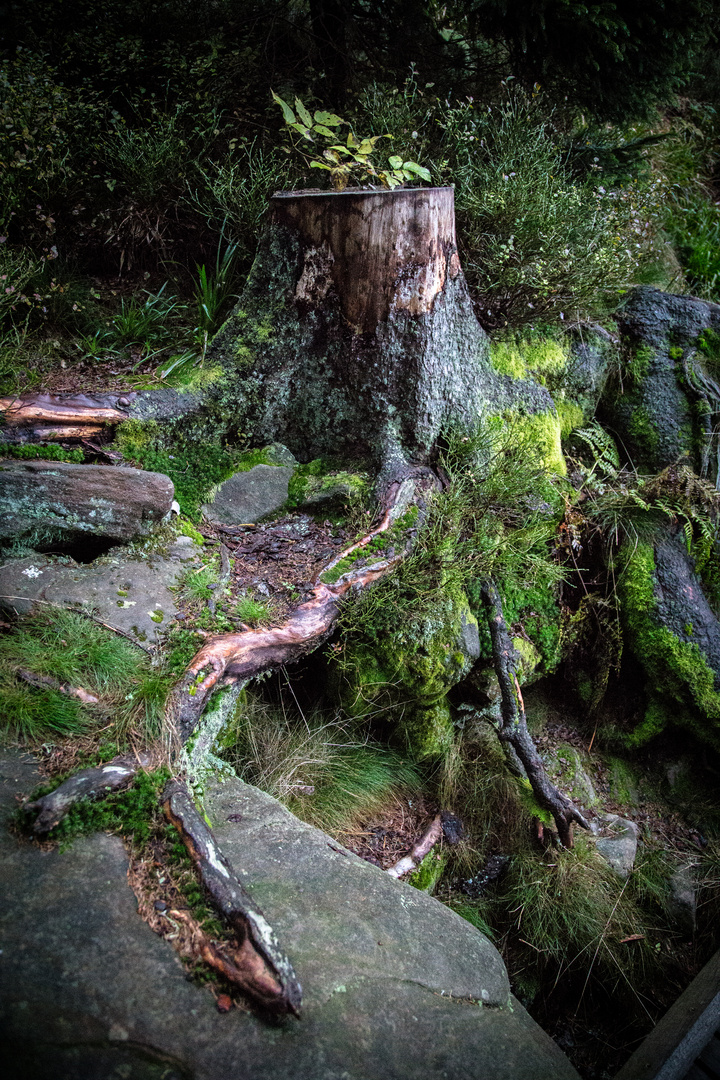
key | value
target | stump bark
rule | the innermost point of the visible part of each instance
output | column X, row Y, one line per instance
column 355, row 334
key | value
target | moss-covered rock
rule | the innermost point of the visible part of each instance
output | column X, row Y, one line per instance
column 676, row 637
column 407, row 674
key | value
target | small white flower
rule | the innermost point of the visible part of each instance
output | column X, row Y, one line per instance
column 32, row 572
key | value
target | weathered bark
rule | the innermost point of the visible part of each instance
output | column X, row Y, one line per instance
column 234, row 657
column 93, row 783
column 423, row 847
column 355, row 332
column 257, row 965
column 513, row 732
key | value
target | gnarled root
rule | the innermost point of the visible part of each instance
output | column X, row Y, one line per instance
column 91, row 783
column 257, row 965
column 234, row 657
column 513, row 732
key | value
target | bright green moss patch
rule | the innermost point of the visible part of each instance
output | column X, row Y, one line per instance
column 539, row 357
column 541, row 435
column 46, row 452
column 677, row 670
column 430, row 870
column 194, row 467
column 643, row 431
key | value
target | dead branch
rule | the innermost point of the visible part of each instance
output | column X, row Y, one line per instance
column 231, row 658
column 257, row 965
column 92, row 783
column 513, row 732
column 423, row 847
column 43, row 682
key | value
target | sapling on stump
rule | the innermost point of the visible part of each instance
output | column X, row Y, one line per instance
column 513, row 731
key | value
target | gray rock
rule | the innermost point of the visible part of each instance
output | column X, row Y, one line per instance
column 277, row 454
column 682, row 903
column 249, row 496
column 130, row 593
column 620, row 848
column 67, row 502
column 87, row 990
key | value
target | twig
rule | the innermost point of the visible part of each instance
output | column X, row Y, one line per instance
column 41, row 682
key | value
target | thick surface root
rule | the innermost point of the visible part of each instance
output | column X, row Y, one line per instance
column 514, row 733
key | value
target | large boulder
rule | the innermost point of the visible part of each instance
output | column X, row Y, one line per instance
column 396, row 986
column 659, row 401
column 51, row 501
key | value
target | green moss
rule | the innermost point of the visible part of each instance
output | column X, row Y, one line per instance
column 429, row 872
column 637, row 366
column 47, row 452
column 675, row 352
column 643, row 431
column 541, row 434
column 129, row 813
column 571, row 417
column 186, row 528
column 539, row 356
column 406, row 674
column 194, row 467
column 677, row 671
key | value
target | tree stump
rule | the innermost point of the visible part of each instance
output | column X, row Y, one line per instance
column 355, row 334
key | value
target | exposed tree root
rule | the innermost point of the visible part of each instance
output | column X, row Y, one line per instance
column 46, row 682
column 238, row 657
column 513, row 733
column 91, row 783
column 424, row 846
column 257, row 965
column 51, row 416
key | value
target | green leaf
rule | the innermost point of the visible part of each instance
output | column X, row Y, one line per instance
column 303, row 113
column 329, row 118
column 322, row 130
column 342, row 150
column 418, row 170
column 305, row 132
column 331, row 156
column 288, row 114
column 368, row 145
column 351, row 140
column 320, row 165
column 395, row 162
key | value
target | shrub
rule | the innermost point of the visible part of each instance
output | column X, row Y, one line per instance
column 538, row 245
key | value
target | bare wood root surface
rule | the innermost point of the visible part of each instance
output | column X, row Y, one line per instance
column 63, row 414
column 423, row 847
column 258, row 966
column 90, row 783
column 46, row 682
column 514, row 733
column 234, row 657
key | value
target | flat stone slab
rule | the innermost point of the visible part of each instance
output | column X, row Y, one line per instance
column 69, row 501
column 393, row 980
column 130, row 593
column 249, row 496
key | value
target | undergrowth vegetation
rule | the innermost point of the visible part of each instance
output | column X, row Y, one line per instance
column 77, row 654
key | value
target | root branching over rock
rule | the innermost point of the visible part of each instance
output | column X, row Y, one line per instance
column 513, row 732
column 230, row 658
column 256, row 965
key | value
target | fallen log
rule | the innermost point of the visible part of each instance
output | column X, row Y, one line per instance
column 513, row 732
column 256, row 965
column 60, row 410
column 92, row 783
